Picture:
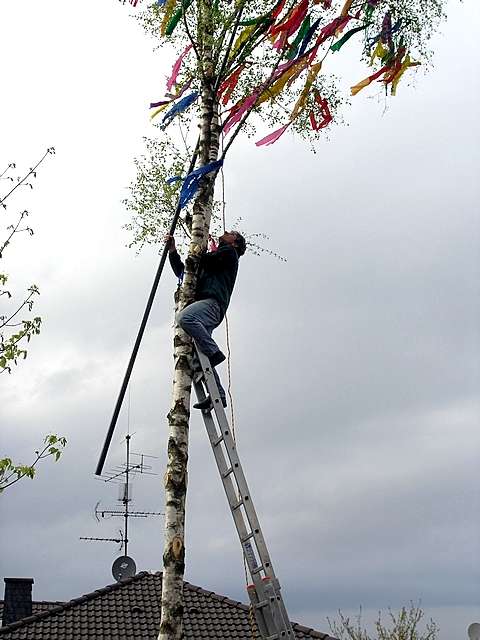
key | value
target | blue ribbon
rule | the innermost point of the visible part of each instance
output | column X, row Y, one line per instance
column 385, row 33
column 192, row 181
column 174, row 179
column 308, row 37
column 182, row 105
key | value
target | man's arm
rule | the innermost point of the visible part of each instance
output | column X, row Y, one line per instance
column 175, row 261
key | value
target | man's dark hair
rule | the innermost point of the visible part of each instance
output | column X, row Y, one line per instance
column 240, row 244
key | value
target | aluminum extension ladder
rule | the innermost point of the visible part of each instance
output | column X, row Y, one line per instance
column 270, row 612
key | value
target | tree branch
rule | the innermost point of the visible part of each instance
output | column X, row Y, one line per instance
column 31, row 171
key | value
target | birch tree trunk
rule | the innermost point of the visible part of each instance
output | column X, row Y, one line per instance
column 171, row 626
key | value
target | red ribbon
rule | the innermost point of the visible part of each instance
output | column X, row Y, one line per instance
column 293, row 20
column 324, row 110
column 227, row 87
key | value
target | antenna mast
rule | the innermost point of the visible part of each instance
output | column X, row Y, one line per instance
column 124, row 566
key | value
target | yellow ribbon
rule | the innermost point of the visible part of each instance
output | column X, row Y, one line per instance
column 361, row 85
column 405, row 65
column 379, row 52
column 159, row 110
column 300, row 104
column 279, row 85
column 346, row 8
column 169, row 9
column 243, row 37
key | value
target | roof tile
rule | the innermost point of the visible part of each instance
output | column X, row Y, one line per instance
column 130, row 610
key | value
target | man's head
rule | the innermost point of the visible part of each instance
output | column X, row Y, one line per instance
column 236, row 240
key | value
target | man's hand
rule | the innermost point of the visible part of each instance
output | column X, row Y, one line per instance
column 170, row 242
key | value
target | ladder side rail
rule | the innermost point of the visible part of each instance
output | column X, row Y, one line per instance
column 230, row 491
column 267, row 616
column 237, row 467
column 275, row 614
column 277, row 608
column 245, row 496
column 260, row 618
column 265, row 619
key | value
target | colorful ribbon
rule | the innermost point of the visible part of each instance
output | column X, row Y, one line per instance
column 346, row 8
column 179, row 107
column 175, row 19
column 339, row 44
column 163, row 104
column 300, row 104
column 176, row 67
column 192, row 181
column 324, row 110
column 289, row 25
column 331, row 28
column 242, row 38
column 228, row 86
column 308, row 36
column 169, row 9
column 386, row 33
column 239, row 110
column 379, row 52
column 274, row 136
column 364, row 83
column 292, row 52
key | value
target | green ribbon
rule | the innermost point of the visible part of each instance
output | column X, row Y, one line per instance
column 175, row 19
column 339, row 44
column 292, row 52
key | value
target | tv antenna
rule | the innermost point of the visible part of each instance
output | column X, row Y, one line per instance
column 124, row 566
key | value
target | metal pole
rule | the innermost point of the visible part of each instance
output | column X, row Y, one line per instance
column 141, row 331
column 127, row 493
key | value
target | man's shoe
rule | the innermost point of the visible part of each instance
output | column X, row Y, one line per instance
column 217, row 358
column 204, row 405
column 207, row 404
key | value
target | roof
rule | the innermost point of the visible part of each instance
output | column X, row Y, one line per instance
column 130, row 610
column 38, row 606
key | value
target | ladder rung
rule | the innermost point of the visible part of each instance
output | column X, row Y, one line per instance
column 257, row 569
column 227, row 472
column 261, row 604
column 237, row 505
column 250, row 535
column 216, row 442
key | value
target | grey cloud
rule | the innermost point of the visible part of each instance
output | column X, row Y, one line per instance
column 355, row 372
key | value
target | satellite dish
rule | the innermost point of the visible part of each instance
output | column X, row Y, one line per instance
column 123, row 567
column 474, row 631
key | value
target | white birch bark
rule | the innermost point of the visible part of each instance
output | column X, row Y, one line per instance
column 171, row 627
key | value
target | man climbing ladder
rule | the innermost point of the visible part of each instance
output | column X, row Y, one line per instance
column 215, row 282
column 216, row 279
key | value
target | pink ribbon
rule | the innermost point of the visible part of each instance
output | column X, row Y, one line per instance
column 274, row 136
column 238, row 111
column 176, row 68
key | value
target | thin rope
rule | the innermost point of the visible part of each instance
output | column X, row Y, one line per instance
column 229, row 388
column 227, row 328
column 251, row 616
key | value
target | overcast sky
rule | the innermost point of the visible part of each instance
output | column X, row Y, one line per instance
column 355, row 363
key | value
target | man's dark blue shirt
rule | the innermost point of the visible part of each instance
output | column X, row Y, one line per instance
column 216, row 276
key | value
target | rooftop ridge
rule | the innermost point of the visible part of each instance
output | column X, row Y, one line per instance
column 216, row 596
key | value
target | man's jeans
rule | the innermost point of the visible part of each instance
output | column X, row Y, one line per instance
column 199, row 319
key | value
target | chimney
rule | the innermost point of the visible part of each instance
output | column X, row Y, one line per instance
column 18, row 599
